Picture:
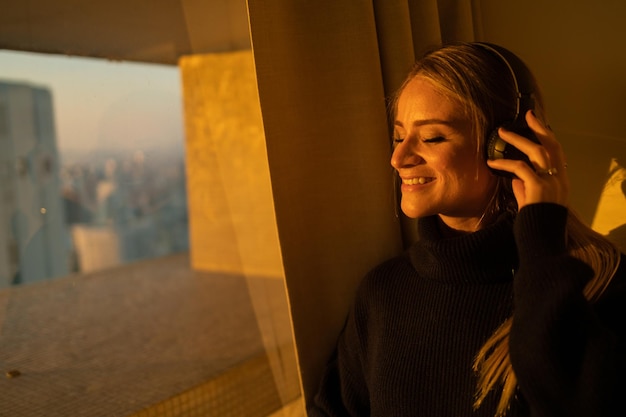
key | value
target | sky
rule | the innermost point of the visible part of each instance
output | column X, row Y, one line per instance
column 100, row 104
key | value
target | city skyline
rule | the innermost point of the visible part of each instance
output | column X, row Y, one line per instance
column 92, row 165
column 103, row 105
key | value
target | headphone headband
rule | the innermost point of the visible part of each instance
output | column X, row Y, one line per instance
column 495, row 147
column 522, row 77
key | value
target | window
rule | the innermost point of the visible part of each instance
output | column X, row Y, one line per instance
column 94, row 152
column 100, row 311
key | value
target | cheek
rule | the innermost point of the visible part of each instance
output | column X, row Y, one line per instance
column 455, row 166
column 463, row 168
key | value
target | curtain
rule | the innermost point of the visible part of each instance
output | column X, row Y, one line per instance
column 325, row 71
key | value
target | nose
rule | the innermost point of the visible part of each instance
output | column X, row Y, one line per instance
column 405, row 155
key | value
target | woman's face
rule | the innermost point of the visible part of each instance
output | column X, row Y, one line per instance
column 436, row 158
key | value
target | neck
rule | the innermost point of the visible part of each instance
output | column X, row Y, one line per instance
column 455, row 226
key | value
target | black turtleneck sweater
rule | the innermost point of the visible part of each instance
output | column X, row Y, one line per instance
column 419, row 320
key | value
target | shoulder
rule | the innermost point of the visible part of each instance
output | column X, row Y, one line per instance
column 381, row 294
column 381, row 275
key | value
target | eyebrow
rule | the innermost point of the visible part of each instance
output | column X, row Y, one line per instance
column 429, row 122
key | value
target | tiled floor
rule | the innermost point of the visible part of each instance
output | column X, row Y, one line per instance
column 149, row 339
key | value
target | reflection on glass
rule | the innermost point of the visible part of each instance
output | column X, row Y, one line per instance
column 91, row 165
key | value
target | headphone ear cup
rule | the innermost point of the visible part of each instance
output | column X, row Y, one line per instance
column 496, row 147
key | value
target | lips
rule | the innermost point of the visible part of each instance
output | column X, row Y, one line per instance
column 417, row 180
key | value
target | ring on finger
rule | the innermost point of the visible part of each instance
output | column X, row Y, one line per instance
column 549, row 171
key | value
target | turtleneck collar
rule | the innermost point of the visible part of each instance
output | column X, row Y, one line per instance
column 485, row 256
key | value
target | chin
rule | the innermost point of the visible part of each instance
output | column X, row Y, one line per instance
column 415, row 212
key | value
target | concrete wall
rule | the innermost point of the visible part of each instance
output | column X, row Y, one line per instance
column 231, row 208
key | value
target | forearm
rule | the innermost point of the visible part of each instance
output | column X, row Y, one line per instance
column 565, row 354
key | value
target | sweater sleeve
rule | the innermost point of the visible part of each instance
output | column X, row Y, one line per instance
column 343, row 390
column 568, row 354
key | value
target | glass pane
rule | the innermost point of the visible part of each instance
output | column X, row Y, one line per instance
column 101, row 311
column 91, row 165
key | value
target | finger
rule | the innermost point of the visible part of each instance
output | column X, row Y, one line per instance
column 529, row 186
column 548, row 139
column 520, row 169
column 537, row 125
column 536, row 152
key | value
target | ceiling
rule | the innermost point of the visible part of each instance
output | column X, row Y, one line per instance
column 154, row 31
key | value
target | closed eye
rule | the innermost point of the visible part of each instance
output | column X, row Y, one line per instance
column 436, row 139
column 396, row 142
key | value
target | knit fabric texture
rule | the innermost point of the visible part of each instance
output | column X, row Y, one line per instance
column 418, row 321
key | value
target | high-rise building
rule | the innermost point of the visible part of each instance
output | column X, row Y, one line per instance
column 33, row 239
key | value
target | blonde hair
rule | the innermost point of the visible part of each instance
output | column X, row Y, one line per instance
column 479, row 80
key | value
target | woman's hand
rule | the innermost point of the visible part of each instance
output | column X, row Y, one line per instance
column 548, row 182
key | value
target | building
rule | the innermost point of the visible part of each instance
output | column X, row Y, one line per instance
column 33, row 243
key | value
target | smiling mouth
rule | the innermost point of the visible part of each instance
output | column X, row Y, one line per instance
column 417, row 180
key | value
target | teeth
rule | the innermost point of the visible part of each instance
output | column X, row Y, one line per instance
column 418, row 180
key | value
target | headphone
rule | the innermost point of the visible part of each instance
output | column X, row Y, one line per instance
column 495, row 147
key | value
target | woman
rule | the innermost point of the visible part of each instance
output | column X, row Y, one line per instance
column 507, row 304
